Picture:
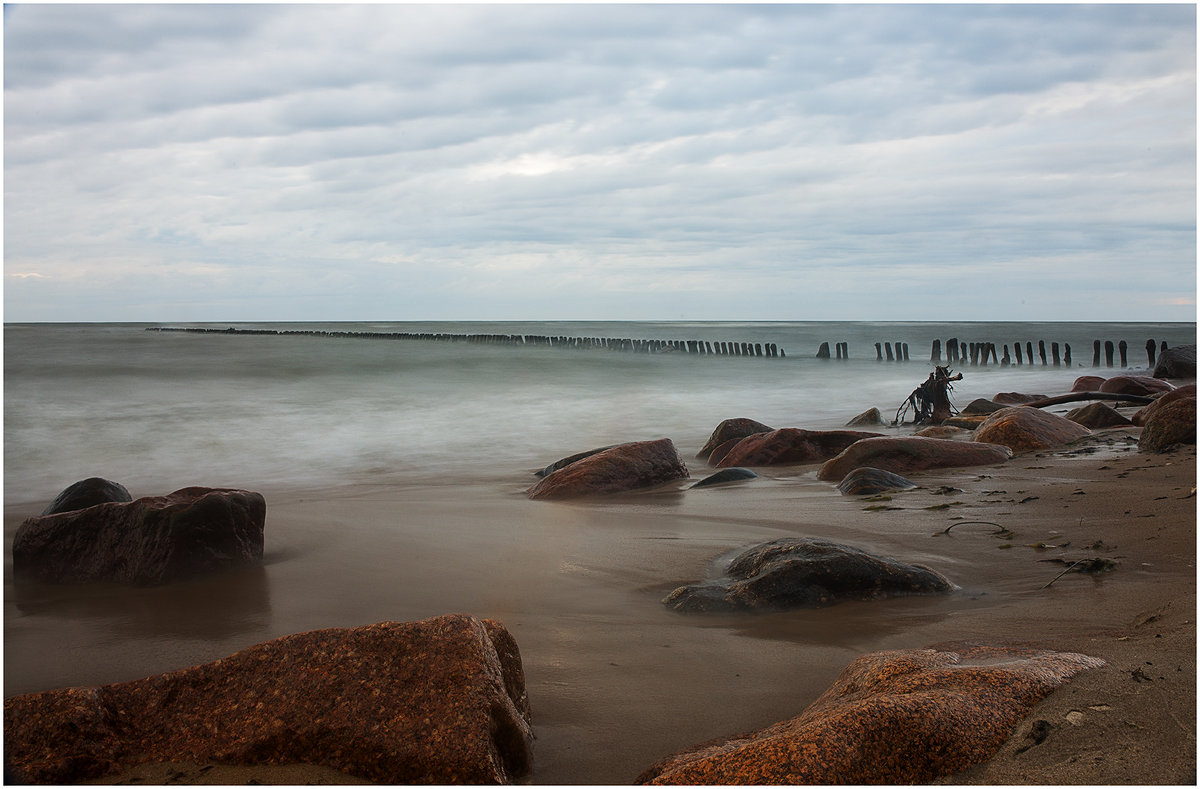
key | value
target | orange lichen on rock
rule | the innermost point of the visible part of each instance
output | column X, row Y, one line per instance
column 896, row 717
column 439, row 701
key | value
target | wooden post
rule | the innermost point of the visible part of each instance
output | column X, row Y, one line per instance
column 837, row 349
column 1007, row 360
column 906, row 352
column 1054, row 353
column 1150, row 348
column 935, row 353
column 878, row 352
column 1017, row 348
column 1123, row 348
column 1042, row 351
column 823, row 351
column 1067, row 354
column 887, row 346
column 951, row 350
column 1108, row 352
column 1096, row 353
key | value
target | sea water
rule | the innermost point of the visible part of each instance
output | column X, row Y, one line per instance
column 157, row 411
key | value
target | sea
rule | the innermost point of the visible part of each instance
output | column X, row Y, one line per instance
column 272, row 405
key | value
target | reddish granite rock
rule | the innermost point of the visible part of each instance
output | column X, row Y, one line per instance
column 901, row 455
column 943, row 431
column 1022, row 429
column 440, row 701
column 1143, row 414
column 980, row 407
column 730, row 429
column 790, row 445
column 150, row 541
column 1170, row 425
column 625, row 467
column 896, row 717
column 1017, row 398
column 867, row 418
column 1134, row 385
column 1086, row 383
column 1097, row 416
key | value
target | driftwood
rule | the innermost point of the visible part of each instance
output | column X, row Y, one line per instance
column 1075, row 396
column 931, row 400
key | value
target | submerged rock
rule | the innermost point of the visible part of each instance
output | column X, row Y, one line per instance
column 1023, row 429
column 730, row 429
column 87, row 493
column 725, row 476
column 867, row 418
column 797, row 572
column 150, row 541
column 625, row 467
column 897, row 717
column 903, row 454
column 980, row 407
column 867, row 481
column 1134, row 385
column 440, row 701
column 1177, row 362
column 1016, row 398
column 790, row 445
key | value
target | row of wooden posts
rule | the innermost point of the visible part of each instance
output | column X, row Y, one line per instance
column 701, row 347
column 978, row 353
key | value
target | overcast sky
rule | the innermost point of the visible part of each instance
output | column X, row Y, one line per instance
column 780, row 162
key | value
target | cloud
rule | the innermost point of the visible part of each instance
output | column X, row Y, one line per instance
column 564, row 159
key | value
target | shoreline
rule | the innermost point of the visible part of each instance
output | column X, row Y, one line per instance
column 616, row 681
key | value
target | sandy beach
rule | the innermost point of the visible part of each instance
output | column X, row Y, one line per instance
column 617, row 681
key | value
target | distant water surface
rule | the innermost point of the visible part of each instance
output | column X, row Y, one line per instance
column 158, row 411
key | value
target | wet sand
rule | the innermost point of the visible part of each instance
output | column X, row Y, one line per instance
column 616, row 681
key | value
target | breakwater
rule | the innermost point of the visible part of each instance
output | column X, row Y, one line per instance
column 699, row 347
column 981, row 353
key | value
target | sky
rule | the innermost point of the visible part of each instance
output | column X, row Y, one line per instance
column 292, row 162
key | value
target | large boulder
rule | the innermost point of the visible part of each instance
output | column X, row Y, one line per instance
column 731, row 429
column 867, row 481
column 1022, row 429
column 1169, row 426
column 1098, row 416
column 1177, row 362
column 897, row 717
column 903, row 454
column 564, row 462
column 87, row 493
column 797, row 572
column 147, row 542
column 1017, row 398
column 1087, row 383
column 1134, row 385
column 1144, row 413
column 625, row 467
column 790, row 445
column 440, row 701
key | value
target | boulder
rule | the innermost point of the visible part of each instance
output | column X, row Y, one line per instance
column 965, row 422
column 1169, row 426
column 725, row 476
column 943, row 431
column 718, row 454
column 867, row 418
column 1087, row 383
column 902, row 454
column 440, row 701
column 1016, row 398
column 896, row 717
column 798, row 572
column 1097, row 416
column 1022, row 429
column 625, row 467
column 1177, row 362
column 564, row 462
column 87, row 493
column 867, row 481
column 1134, row 385
column 729, row 429
column 1143, row 414
column 790, row 445
column 147, row 542
column 980, row 407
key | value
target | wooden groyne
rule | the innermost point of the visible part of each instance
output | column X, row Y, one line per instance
column 699, row 347
column 980, row 354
